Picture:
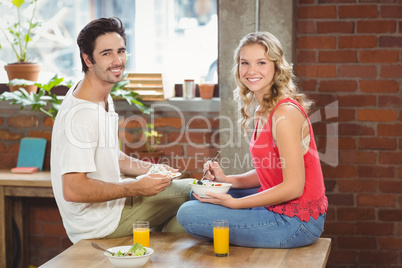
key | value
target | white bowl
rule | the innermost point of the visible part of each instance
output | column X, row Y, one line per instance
column 128, row 261
column 200, row 190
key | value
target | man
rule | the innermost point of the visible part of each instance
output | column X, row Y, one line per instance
column 86, row 162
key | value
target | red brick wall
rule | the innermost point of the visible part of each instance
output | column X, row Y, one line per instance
column 15, row 125
column 47, row 236
column 350, row 51
column 187, row 139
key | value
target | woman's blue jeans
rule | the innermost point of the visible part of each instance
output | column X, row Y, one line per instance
column 253, row 227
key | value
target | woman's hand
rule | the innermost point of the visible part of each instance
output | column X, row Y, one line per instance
column 225, row 200
column 214, row 172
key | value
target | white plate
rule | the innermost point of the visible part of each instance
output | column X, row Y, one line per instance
column 175, row 175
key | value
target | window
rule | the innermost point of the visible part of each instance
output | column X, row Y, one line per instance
column 174, row 37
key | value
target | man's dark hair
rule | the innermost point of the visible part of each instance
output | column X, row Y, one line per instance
column 87, row 36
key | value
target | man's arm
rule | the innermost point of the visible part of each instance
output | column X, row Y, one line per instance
column 133, row 166
column 77, row 187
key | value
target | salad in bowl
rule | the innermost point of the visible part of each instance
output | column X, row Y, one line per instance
column 129, row 256
column 206, row 186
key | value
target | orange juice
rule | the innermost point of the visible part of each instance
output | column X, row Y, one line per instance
column 221, row 241
column 141, row 235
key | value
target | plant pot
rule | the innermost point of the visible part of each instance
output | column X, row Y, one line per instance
column 27, row 71
column 206, row 91
column 153, row 157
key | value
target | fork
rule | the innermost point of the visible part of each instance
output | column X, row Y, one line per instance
column 101, row 248
column 205, row 173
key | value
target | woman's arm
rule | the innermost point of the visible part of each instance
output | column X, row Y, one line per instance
column 240, row 181
column 244, row 181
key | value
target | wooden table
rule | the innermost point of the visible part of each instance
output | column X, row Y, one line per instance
column 13, row 187
column 183, row 250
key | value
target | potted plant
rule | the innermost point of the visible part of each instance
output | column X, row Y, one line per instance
column 206, row 90
column 18, row 35
column 152, row 139
column 46, row 101
column 39, row 100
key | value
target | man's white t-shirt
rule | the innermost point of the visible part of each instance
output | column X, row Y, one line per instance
column 85, row 139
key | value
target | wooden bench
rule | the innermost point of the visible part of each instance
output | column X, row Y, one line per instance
column 183, row 250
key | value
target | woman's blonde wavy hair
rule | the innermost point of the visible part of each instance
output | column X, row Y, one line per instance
column 283, row 85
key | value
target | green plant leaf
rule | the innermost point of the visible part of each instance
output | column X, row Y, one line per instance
column 21, row 82
column 23, row 98
column 35, row 100
column 21, row 34
column 44, row 90
column 121, row 84
column 53, row 82
column 118, row 91
column 27, row 38
column 18, row 3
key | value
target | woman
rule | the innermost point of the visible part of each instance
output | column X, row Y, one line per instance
column 288, row 208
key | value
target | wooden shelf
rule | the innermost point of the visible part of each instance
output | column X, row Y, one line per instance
column 150, row 86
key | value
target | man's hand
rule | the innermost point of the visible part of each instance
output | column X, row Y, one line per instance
column 149, row 185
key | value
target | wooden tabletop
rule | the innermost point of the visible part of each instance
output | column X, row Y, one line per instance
column 38, row 179
column 183, row 250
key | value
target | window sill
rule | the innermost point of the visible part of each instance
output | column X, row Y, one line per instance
column 172, row 104
column 184, row 105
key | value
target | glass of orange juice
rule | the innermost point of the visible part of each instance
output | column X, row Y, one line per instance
column 141, row 233
column 221, row 238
